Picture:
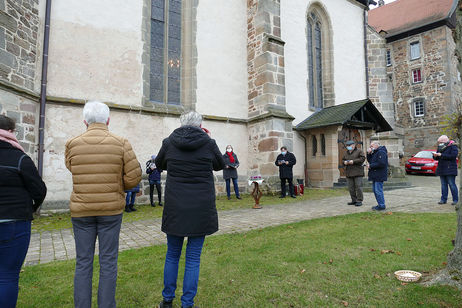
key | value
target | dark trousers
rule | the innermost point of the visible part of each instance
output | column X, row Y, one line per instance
column 355, row 186
column 283, row 186
column 130, row 198
column 449, row 180
column 151, row 191
column 14, row 242
column 86, row 229
column 228, row 187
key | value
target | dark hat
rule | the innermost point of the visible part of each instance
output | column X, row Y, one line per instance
column 349, row 142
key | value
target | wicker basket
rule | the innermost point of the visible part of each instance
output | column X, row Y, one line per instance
column 408, row 276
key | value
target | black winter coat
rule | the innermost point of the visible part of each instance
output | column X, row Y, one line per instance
column 447, row 162
column 378, row 165
column 189, row 155
column 285, row 171
column 231, row 172
column 22, row 190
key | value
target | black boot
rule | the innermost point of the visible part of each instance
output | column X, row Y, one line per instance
column 160, row 203
column 127, row 208
column 132, row 208
column 164, row 304
column 153, row 204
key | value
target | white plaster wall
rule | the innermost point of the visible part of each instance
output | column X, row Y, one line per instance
column 299, row 152
column 144, row 132
column 95, row 50
column 348, row 44
column 222, row 58
column 235, row 135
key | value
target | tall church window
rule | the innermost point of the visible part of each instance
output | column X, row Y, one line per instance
column 314, row 38
column 323, row 145
column 165, row 63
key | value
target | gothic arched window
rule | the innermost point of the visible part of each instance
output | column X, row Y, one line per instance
column 315, row 45
column 314, row 145
column 165, row 73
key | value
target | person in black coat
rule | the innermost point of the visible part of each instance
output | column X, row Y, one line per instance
column 446, row 155
column 22, row 191
column 377, row 157
column 190, row 156
column 230, row 171
column 285, row 161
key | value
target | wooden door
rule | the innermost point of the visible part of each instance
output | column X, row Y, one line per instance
column 343, row 136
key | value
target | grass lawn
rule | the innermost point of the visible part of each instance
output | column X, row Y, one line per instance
column 62, row 221
column 329, row 262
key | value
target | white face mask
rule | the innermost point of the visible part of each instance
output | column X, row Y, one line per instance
column 229, row 150
column 442, row 144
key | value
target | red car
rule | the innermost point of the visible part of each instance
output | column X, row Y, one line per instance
column 422, row 162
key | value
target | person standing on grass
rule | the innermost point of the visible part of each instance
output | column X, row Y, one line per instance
column 446, row 155
column 103, row 165
column 22, row 191
column 230, row 171
column 130, row 199
column 190, row 156
column 377, row 157
column 285, row 161
column 353, row 161
column 154, row 180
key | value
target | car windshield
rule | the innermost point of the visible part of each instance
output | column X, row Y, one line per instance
column 424, row 154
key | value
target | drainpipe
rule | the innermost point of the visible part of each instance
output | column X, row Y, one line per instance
column 43, row 89
column 365, row 48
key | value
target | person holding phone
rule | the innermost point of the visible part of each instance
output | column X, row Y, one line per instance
column 377, row 157
column 446, row 155
column 285, row 161
column 230, row 171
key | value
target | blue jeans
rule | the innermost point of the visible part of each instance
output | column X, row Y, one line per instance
column 14, row 242
column 86, row 229
column 130, row 198
column 451, row 181
column 228, row 187
column 191, row 271
column 377, row 188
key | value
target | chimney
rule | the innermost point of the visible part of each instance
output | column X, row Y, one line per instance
column 381, row 3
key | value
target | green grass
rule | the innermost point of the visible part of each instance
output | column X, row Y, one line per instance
column 318, row 263
column 63, row 221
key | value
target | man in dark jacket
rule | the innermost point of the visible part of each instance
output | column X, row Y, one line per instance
column 446, row 156
column 154, row 180
column 189, row 155
column 377, row 156
column 285, row 161
column 353, row 161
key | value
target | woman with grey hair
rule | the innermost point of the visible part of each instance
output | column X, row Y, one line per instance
column 189, row 155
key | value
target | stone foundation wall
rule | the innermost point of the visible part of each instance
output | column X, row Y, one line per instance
column 25, row 112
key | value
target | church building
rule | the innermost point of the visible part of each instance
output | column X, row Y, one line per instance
column 263, row 73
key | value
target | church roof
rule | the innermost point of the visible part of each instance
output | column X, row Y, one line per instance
column 405, row 15
column 360, row 114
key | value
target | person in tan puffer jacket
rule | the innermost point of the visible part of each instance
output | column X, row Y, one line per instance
column 103, row 165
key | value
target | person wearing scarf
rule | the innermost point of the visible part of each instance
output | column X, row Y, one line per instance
column 446, row 155
column 22, row 191
column 230, row 171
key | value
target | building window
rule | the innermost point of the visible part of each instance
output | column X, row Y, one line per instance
column 416, row 75
column 415, row 50
column 419, row 108
column 165, row 81
column 314, row 145
column 388, row 57
column 314, row 38
column 323, row 145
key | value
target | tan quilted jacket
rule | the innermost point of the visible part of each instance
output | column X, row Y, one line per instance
column 103, row 165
